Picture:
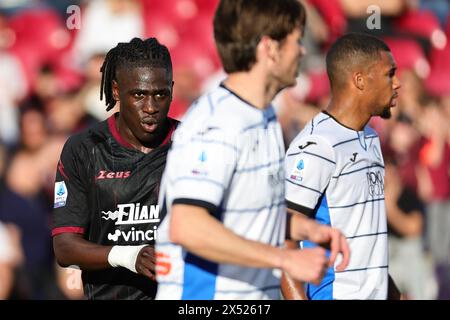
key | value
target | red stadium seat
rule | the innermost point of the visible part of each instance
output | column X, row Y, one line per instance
column 333, row 15
column 438, row 83
column 320, row 86
column 419, row 22
column 207, row 6
column 44, row 43
column 408, row 54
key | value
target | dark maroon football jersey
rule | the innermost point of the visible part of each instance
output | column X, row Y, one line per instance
column 108, row 191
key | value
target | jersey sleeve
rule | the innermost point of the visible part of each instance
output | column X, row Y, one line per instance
column 70, row 210
column 200, row 168
column 310, row 163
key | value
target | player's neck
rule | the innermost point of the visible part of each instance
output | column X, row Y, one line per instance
column 157, row 138
column 251, row 87
column 348, row 112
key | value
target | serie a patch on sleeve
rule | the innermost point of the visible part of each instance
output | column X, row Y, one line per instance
column 297, row 171
column 60, row 194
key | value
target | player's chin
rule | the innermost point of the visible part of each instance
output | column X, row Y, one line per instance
column 386, row 113
column 290, row 83
column 293, row 82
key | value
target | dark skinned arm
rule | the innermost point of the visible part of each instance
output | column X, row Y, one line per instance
column 290, row 288
column 72, row 249
column 300, row 227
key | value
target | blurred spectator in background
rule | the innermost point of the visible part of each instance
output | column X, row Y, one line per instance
column 54, row 70
column 12, row 87
column 104, row 24
column 89, row 100
column 405, row 213
column 413, row 95
column 435, row 180
column 10, row 258
column 23, row 202
column 10, row 248
column 403, row 144
column 435, row 188
column 69, row 283
column 3, row 160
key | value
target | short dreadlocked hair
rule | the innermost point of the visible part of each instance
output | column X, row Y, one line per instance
column 136, row 53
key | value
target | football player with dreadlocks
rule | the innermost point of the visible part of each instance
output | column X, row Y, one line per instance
column 105, row 215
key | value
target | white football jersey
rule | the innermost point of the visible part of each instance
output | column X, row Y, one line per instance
column 228, row 157
column 336, row 175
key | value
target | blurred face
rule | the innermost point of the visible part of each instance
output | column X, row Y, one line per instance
column 33, row 130
column 402, row 137
column 383, row 86
column 289, row 54
column 145, row 95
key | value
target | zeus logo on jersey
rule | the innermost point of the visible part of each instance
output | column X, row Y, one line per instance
column 103, row 174
column 133, row 214
column 376, row 183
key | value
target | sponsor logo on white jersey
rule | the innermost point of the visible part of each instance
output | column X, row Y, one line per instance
column 376, row 183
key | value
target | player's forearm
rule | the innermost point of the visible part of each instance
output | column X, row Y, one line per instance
column 200, row 233
column 70, row 249
column 300, row 225
column 290, row 288
column 7, row 276
column 409, row 225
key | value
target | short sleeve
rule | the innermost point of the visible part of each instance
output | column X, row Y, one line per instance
column 310, row 163
column 200, row 168
column 70, row 209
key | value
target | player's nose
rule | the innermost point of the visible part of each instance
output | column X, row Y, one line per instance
column 396, row 83
column 150, row 107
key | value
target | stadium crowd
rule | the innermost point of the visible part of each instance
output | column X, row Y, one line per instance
column 50, row 57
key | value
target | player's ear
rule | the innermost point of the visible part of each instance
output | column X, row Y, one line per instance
column 268, row 47
column 358, row 80
column 115, row 90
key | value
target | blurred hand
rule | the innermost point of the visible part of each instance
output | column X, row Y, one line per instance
column 146, row 261
column 307, row 265
column 435, row 122
column 332, row 239
column 15, row 235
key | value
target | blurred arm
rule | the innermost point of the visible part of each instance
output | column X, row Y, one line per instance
column 200, row 233
column 304, row 228
column 72, row 249
column 290, row 288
